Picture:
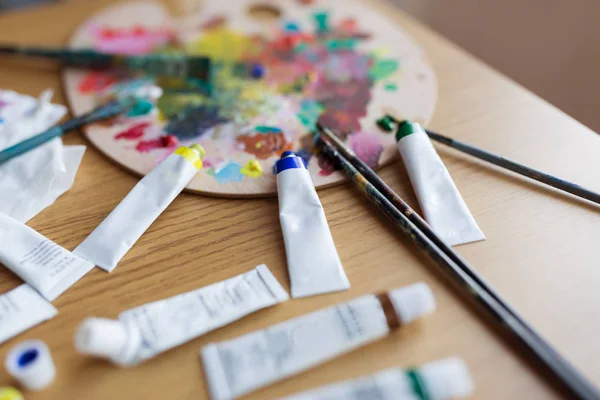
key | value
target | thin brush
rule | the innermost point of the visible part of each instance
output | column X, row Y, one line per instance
column 574, row 382
column 500, row 161
column 165, row 65
column 105, row 111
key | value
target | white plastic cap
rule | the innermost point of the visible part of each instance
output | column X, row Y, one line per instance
column 412, row 302
column 30, row 363
column 107, row 338
column 447, row 379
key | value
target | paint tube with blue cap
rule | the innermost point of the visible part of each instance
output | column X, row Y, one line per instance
column 443, row 207
column 313, row 262
column 113, row 238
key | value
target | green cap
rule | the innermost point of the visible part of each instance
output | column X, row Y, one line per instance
column 406, row 128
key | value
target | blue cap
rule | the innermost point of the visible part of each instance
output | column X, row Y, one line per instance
column 257, row 71
column 289, row 160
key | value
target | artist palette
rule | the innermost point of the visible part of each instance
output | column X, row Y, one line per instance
column 344, row 66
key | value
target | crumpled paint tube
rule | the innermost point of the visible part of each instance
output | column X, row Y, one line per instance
column 242, row 365
column 143, row 332
column 113, row 238
column 439, row 380
column 443, row 206
column 44, row 265
column 22, row 308
column 313, row 262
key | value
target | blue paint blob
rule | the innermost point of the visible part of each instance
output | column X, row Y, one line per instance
column 1, row 121
column 291, row 26
column 257, row 71
column 229, row 173
column 305, row 155
column 27, row 357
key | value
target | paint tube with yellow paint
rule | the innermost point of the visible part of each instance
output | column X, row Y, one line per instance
column 113, row 238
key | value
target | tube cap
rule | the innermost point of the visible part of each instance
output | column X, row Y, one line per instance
column 107, row 338
column 30, row 363
column 406, row 128
column 447, row 379
column 289, row 160
column 412, row 302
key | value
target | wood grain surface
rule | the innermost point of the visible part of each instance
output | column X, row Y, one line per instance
column 540, row 251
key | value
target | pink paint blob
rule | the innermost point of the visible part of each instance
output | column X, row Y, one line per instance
column 130, row 41
column 367, row 147
column 133, row 133
column 163, row 142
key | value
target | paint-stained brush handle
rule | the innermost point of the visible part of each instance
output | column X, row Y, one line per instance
column 175, row 65
column 108, row 110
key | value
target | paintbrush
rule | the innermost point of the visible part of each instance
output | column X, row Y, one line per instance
column 174, row 65
column 105, row 111
column 387, row 122
column 571, row 379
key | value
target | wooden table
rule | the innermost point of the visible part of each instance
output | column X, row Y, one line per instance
column 540, row 252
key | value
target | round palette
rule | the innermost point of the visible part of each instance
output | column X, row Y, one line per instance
column 342, row 66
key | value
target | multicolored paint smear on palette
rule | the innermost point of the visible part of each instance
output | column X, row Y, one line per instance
column 312, row 75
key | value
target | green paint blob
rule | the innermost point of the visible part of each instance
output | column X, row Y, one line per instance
column 141, row 107
column 391, row 87
column 267, row 129
column 309, row 113
column 341, row 44
column 301, row 47
column 386, row 123
column 383, row 69
column 210, row 171
column 321, row 21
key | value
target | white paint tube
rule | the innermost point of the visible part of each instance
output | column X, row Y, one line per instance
column 113, row 238
column 44, row 265
column 313, row 262
column 443, row 206
column 440, row 380
column 143, row 332
column 242, row 365
column 21, row 309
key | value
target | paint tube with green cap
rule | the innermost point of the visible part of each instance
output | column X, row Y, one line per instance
column 443, row 206
column 113, row 238
column 439, row 380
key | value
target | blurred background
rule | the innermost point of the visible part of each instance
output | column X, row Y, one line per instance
column 548, row 46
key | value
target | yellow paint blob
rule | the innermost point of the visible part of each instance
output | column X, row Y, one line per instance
column 221, row 44
column 9, row 393
column 253, row 169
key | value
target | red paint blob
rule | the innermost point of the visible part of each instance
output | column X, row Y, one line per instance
column 135, row 132
column 349, row 24
column 95, row 82
column 162, row 142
